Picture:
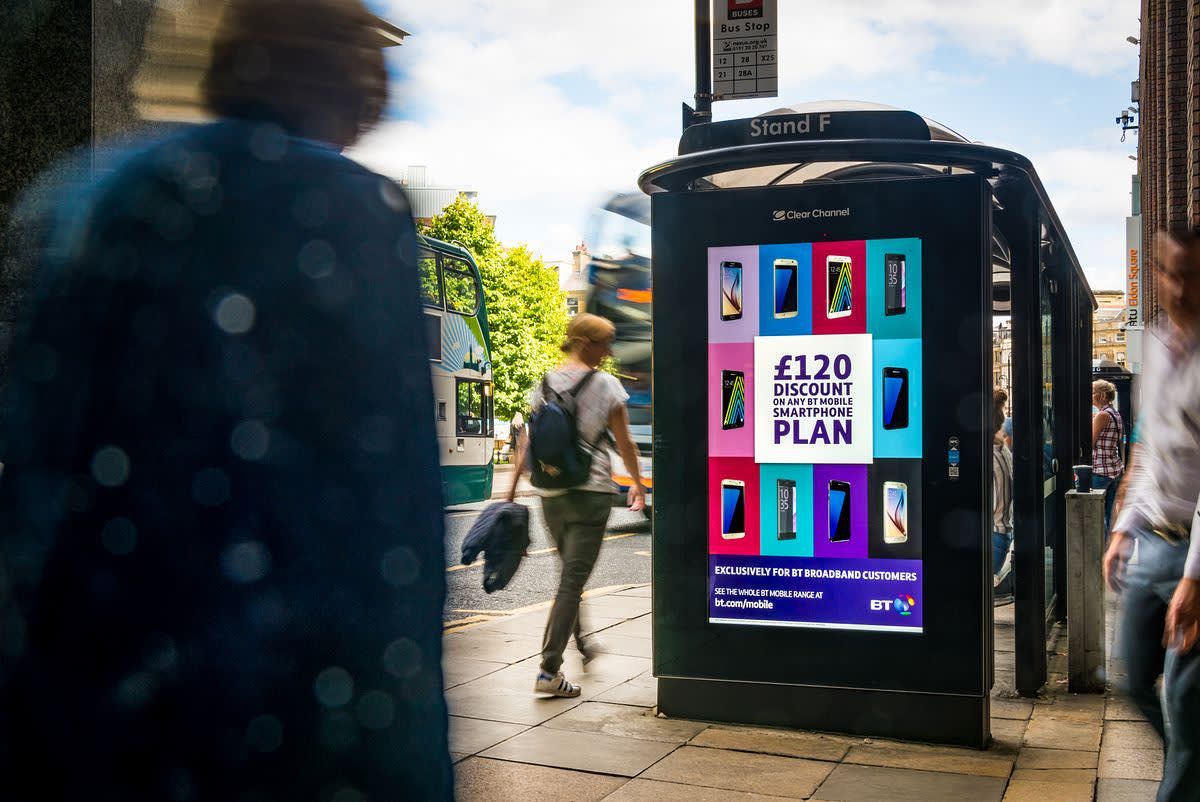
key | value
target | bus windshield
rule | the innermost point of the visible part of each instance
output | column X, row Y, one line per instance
column 619, row 274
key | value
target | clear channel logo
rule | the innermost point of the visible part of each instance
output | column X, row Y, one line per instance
column 807, row 214
column 902, row 604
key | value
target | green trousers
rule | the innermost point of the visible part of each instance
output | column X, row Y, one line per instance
column 576, row 522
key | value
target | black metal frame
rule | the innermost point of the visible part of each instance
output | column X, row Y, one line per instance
column 1022, row 205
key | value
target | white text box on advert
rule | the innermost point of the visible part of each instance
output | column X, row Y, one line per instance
column 813, row 399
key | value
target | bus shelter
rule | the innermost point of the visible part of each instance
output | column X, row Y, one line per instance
column 826, row 282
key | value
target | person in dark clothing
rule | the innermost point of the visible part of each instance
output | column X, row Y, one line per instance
column 220, row 522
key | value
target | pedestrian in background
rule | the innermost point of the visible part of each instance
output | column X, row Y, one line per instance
column 1108, row 445
column 221, row 556
column 516, row 428
column 1002, row 493
column 577, row 516
column 1160, row 608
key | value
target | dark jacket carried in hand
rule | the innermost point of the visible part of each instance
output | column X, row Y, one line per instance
column 221, row 555
column 501, row 532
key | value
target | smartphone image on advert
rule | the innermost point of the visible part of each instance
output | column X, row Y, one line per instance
column 733, row 509
column 894, row 292
column 785, row 508
column 787, row 292
column 733, row 399
column 837, row 286
column 895, row 512
column 839, row 511
column 895, row 398
column 731, row 290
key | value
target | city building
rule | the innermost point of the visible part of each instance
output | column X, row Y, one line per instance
column 1166, row 99
column 573, row 279
column 1108, row 327
column 429, row 199
column 1002, row 349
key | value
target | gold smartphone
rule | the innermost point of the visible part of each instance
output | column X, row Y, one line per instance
column 733, row 509
column 895, row 512
column 787, row 290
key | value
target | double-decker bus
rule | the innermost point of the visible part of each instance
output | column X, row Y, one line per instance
column 620, row 290
column 460, row 360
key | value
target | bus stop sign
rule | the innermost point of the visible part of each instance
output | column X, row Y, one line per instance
column 745, row 49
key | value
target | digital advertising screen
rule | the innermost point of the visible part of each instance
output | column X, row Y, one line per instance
column 815, row 435
column 821, row 453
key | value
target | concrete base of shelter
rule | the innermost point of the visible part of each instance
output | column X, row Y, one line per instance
column 610, row 744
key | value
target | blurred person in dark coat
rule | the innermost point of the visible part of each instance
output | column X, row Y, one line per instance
column 221, row 568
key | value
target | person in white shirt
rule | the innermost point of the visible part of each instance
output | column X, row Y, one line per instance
column 576, row 517
column 1160, row 611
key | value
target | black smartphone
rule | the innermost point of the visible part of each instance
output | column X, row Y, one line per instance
column 895, row 295
column 731, row 290
column 895, row 398
column 839, row 511
column 733, row 399
column 785, row 508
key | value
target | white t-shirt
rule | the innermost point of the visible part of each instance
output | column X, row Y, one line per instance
column 593, row 406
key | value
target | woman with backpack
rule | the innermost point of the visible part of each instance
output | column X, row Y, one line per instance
column 577, row 413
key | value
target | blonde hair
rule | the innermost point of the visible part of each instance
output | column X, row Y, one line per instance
column 1105, row 388
column 584, row 328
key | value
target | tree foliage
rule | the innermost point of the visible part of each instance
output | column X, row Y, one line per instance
column 526, row 309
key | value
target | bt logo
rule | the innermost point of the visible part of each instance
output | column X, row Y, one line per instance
column 902, row 604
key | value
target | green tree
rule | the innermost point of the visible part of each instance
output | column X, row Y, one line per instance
column 527, row 313
column 462, row 222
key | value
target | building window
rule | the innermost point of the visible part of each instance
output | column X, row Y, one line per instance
column 473, row 415
column 572, row 306
column 1120, row 336
column 1103, row 340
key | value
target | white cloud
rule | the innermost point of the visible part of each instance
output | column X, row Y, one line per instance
column 1084, row 35
column 542, row 106
column 1090, row 191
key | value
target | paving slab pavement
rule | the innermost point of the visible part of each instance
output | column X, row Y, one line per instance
column 609, row 743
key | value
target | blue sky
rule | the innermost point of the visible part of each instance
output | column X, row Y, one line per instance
column 544, row 107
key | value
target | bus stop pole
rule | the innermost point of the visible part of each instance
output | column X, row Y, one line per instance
column 703, row 111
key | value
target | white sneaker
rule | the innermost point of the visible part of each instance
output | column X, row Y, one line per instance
column 555, row 685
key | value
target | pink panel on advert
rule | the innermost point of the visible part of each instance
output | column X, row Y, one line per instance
column 733, row 358
column 726, row 477
column 842, row 321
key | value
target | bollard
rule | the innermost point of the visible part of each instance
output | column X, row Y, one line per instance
column 1085, row 591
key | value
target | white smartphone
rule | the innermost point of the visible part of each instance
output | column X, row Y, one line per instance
column 895, row 512
column 733, row 509
column 838, row 290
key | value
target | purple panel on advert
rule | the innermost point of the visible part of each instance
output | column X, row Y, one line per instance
column 732, row 294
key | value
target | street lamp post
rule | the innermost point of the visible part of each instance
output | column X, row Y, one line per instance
column 703, row 111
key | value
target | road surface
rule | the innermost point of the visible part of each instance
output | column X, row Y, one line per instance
column 624, row 560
